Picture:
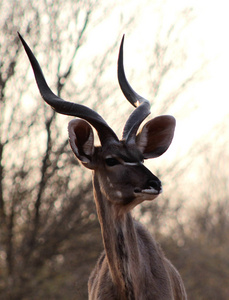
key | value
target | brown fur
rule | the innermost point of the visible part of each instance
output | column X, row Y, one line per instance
column 140, row 270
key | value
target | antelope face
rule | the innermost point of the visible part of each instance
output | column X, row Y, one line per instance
column 122, row 176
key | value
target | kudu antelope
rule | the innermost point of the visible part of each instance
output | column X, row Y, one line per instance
column 132, row 265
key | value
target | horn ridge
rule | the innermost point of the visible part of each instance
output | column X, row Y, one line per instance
column 142, row 105
column 105, row 133
column 127, row 90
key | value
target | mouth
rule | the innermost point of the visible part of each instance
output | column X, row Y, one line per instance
column 149, row 190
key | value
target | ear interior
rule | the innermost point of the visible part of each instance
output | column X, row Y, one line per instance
column 81, row 139
column 156, row 136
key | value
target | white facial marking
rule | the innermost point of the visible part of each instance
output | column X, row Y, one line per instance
column 131, row 163
column 151, row 190
column 119, row 194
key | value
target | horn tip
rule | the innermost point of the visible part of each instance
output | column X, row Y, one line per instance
column 122, row 41
column 21, row 38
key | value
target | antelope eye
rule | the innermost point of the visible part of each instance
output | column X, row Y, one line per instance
column 111, row 161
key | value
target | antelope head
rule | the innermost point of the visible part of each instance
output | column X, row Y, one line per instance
column 117, row 164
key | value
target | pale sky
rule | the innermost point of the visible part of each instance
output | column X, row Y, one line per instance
column 206, row 38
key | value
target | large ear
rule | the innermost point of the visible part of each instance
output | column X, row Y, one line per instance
column 81, row 139
column 156, row 136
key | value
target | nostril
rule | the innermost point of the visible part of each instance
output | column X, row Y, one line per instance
column 156, row 184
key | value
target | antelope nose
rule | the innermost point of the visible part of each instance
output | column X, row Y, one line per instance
column 156, row 184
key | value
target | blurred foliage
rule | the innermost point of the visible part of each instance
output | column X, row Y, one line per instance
column 49, row 233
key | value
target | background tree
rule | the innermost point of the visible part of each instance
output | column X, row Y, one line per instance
column 45, row 226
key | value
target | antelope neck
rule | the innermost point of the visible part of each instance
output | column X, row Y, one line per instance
column 120, row 244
